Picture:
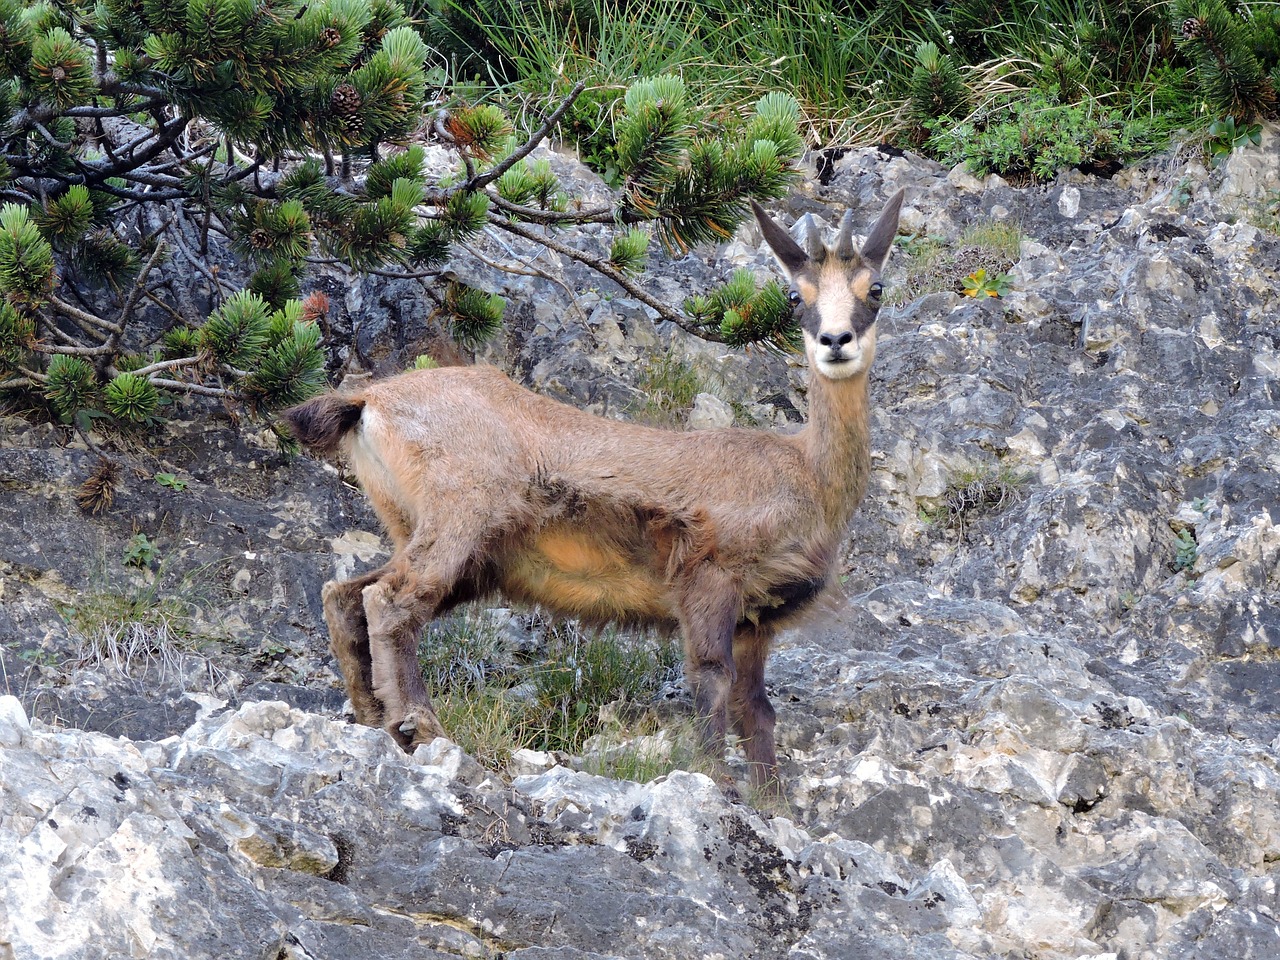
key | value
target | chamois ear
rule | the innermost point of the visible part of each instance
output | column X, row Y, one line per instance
column 790, row 257
column 880, row 238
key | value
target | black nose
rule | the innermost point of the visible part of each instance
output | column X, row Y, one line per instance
column 827, row 340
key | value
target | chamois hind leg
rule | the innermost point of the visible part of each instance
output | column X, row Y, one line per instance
column 749, row 706
column 708, row 612
column 349, row 641
column 398, row 605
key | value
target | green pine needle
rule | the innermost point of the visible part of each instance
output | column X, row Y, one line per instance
column 481, row 129
column 465, row 214
column 66, row 218
column 517, row 185
column 179, row 342
column 17, row 335
column 71, row 385
column 744, row 314
column 61, row 71
column 630, row 250
column 476, row 316
column 403, row 166
column 236, row 333
column 131, row 398
column 429, row 246
column 290, row 372
column 104, row 256
column 26, row 259
column 275, row 282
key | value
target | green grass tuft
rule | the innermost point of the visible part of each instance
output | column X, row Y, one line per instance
column 494, row 701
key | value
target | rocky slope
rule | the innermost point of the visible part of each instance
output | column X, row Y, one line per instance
column 1041, row 719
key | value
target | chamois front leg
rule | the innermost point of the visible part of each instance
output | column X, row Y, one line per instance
column 749, row 706
column 398, row 605
column 708, row 613
column 349, row 641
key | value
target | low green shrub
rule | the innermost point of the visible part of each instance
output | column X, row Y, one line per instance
column 1033, row 138
column 494, row 702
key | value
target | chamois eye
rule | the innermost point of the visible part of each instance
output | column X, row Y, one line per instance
column 794, row 296
column 876, row 292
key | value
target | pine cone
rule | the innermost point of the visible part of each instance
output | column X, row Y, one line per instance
column 345, row 104
column 259, row 238
column 345, row 101
column 1192, row 27
column 330, row 37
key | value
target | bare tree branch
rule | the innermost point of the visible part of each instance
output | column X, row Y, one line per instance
column 604, row 267
column 492, row 174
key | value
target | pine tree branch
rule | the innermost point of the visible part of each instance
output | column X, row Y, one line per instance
column 605, row 268
column 110, row 112
column 524, row 271
column 195, row 261
column 486, row 178
column 538, row 215
column 49, row 137
column 161, row 366
column 82, row 316
column 58, row 335
column 33, row 377
column 441, row 131
column 112, row 346
column 74, row 351
column 195, row 388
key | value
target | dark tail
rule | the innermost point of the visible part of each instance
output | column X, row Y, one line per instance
column 321, row 422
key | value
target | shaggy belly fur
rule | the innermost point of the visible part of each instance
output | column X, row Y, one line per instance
column 571, row 573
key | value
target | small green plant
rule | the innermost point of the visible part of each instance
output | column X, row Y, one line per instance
column 38, row 657
column 1032, row 138
column 585, row 673
column 1266, row 214
column 975, row 492
column 135, row 628
column 171, row 481
column 978, row 284
column 270, row 651
column 933, row 264
column 493, row 702
column 139, row 552
column 650, row 750
column 1187, row 551
column 1226, row 136
column 999, row 238
column 937, row 91
column 669, row 382
column 1182, row 194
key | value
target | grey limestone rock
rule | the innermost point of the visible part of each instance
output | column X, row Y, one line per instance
column 1038, row 717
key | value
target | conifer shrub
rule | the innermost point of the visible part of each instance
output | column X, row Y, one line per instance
column 191, row 163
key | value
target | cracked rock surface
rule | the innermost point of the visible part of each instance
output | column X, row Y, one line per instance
column 1039, row 718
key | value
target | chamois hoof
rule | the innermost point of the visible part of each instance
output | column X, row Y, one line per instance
column 728, row 785
column 421, row 726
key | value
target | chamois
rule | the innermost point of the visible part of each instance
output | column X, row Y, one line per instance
column 727, row 535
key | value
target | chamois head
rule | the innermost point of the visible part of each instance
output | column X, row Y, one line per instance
column 835, row 288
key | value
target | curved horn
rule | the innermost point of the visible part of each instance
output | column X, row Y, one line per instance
column 844, row 239
column 809, row 236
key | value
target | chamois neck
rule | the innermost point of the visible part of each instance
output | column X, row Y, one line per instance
column 837, row 443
